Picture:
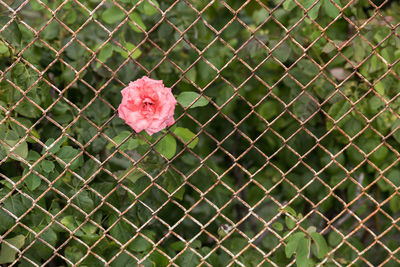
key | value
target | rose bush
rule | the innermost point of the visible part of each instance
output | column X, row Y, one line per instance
column 79, row 188
column 147, row 105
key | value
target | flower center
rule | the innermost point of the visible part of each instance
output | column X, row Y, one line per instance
column 147, row 106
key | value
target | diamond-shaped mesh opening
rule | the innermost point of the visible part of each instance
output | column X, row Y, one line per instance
column 228, row 162
column 218, row 54
column 222, row 193
column 385, row 86
column 124, row 59
column 296, row 119
column 232, row 30
column 285, row 125
column 221, row 21
column 160, row 34
column 236, row 65
column 270, row 65
column 289, row 18
column 171, row 219
column 373, row 67
column 72, row 15
column 267, row 177
column 393, row 175
column 181, row 21
column 283, row 93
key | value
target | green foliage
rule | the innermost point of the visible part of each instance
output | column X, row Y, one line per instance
column 166, row 146
column 259, row 122
column 123, row 141
column 113, row 14
column 300, row 243
column 187, row 136
column 7, row 253
column 191, row 100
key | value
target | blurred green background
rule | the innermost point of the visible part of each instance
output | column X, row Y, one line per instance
column 282, row 116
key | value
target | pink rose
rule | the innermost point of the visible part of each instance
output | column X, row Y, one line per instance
column 147, row 105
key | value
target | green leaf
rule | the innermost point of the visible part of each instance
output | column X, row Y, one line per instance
column 166, row 146
column 302, row 252
column 322, row 247
column 289, row 5
column 136, row 174
column 281, row 52
column 291, row 211
column 290, row 223
column 32, row 181
column 123, row 259
column 394, row 204
column 27, row 109
column 293, row 242
column 149, row 9
column 195, row 244
column 75, row 51
column 51, row 31
column 129, row 144
column 138, row 20
column 73, row 253
column 396, row 134
column 171, row 182
column 313, row 13
column 6, row 220
column 84, row 201
column 11, row 138
column 36, row 5
column 49, row 236
column 105, row 53
column 187, row 98
column 32, row 157
column 380, row 155
column 71, row 223
column 129, row 47
column 67, row 153
column 269, row 109
column 121, row 230
column 21, row 150
column 380, row 88
column 158, row 259
column 133, row 176
column 178, row 245
column 113, row 15
column 47, row 166
column 277, row 226
column 393, row 175
column 7, row 253
column 3, row 49
column 12, row 33
column 337, row 110
column 331, row 9
column 54, row 147
column 188, row 259
column 140, row 244
column 311, row 229
column 191, row 75
column 260, row 15
column 186, row 135
column 71, row 17
column 21, row 131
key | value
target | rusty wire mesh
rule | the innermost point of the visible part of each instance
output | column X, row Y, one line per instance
column 248, row 212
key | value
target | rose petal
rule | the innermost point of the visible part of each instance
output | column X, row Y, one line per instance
column 134, row 109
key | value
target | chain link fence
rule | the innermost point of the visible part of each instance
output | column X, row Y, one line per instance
column 291, row 133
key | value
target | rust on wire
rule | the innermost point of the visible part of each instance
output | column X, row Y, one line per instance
column 332, row 224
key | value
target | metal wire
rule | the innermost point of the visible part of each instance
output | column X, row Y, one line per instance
column 331, row 223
